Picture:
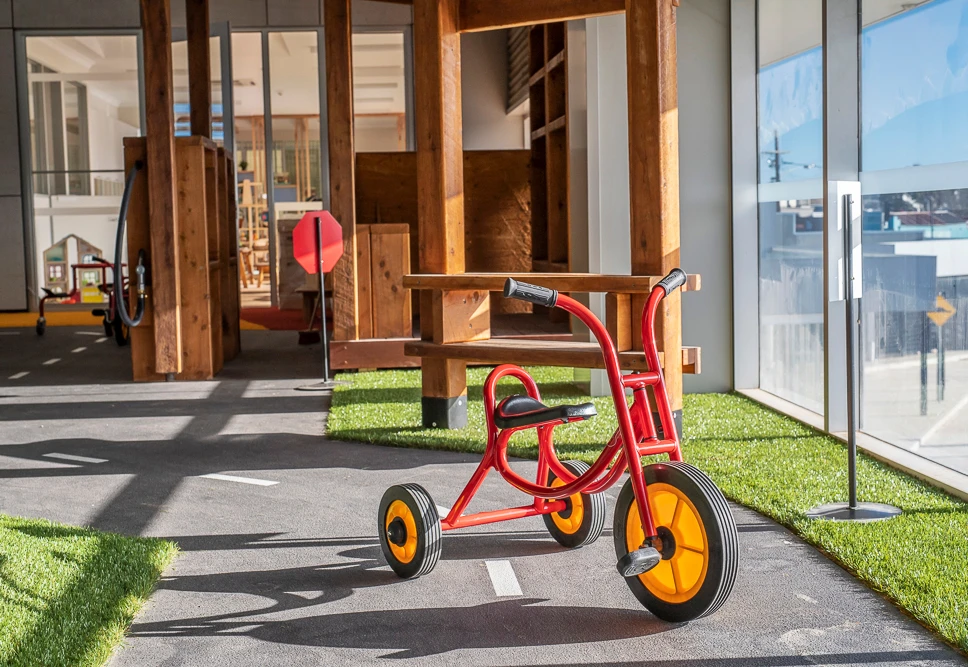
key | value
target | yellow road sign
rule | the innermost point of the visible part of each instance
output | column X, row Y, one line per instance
column 941, row 316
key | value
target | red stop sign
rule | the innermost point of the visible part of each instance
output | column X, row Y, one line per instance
column 304, row 247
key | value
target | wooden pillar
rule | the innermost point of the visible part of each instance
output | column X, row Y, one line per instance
column 654, row 168
column 342, row 163
column 160, row 160
column 440, row 196
column 199, row 67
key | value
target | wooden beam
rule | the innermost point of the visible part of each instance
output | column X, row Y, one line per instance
column 440, row 196
column 160, row 161
column 199, row 67
column 563, row 282
column 654, row 164
column 342, row 163
column 476, row 15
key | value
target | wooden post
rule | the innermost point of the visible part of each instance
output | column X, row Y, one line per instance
column 654, row 169
column 440, row 196
column 199, row 67
column 342, row 163
column 160, row 161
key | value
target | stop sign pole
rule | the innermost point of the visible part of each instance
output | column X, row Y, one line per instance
column 322, row 298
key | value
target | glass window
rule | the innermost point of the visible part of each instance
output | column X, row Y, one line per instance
column 915, row 186
column 790, row 131
column 83, row 100
column 379, row 100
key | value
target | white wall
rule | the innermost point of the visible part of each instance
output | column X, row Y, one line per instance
column 704, row 174
column 484, row 84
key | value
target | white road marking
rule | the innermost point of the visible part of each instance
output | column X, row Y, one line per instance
column 72, row 457
column 241, row 480
column 87, row 333
column 931, row 432
column 101, row 340
column 502, row 578
column 9, row 333
column 51, row 362
column 17, row 376
column 78, row 349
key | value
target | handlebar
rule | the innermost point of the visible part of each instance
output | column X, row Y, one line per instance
column 675, row 279
column 540, row 296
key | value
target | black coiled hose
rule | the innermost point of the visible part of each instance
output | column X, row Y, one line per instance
column 119, row 298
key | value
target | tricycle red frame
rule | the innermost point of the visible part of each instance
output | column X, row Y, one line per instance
column 635, row 437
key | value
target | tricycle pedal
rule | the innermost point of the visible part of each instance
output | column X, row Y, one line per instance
column 638, row 562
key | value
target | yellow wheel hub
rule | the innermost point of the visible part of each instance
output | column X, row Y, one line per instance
column 406, row 551
column 570, row 525
column 678, row 578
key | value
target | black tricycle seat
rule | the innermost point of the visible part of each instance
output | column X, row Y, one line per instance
column 519, row 410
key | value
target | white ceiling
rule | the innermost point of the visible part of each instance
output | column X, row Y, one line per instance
column 108, row 67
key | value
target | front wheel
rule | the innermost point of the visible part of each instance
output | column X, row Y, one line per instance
column 697, row 541
column 410, row 532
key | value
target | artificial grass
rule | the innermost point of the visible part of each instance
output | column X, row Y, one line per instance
column 67, row 595
column 758, row 457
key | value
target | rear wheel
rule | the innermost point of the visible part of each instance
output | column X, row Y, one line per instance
column 120, row 332
column 697, row 541
column 410, row 533
column 582, row 521
column 41, row 327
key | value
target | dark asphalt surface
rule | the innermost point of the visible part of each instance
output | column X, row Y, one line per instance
column 292, row 573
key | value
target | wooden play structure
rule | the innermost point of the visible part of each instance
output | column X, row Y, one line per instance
column 432, row 233
column 183, row 215
column 455, row 305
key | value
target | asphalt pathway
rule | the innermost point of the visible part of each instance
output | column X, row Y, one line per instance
column 281, row 563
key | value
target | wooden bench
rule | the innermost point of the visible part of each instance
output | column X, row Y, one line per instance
column 455, row 331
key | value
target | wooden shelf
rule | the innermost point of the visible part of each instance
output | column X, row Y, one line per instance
column 563, row 282
column 569, row 354
column 557, row 60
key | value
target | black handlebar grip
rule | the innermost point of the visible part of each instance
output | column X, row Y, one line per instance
column 675, row 279
column 541, row 296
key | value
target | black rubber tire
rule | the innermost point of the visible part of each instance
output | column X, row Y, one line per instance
column 594, row 511
column 41, row 327
column 121, row 336
column 108, row 327
column 720, row 533
column 427, row 522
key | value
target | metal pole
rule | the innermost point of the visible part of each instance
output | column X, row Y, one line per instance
column 322, row 299
column 924, row 364
column 851, row 353
column 941, row 361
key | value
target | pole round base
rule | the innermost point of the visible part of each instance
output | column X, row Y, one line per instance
column 862, row 513
column 328, row 385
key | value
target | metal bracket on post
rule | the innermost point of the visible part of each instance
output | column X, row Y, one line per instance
column 849, row 269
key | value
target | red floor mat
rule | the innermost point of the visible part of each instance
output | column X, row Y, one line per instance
column 275, row 319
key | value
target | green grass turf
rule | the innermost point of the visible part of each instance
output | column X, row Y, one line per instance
column 758, row 457
column 67, row 595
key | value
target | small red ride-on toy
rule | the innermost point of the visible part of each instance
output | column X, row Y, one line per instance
column 113, row 326
column 678, row 552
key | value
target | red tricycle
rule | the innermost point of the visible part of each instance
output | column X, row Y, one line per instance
column 113, row 326
column 678, row 552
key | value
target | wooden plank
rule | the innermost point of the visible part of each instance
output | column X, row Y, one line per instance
column 618, row 320
column 442, row 377
column 373, row 353
column 538, row 353
column 364, row 290
column 139, row 238
column 476, row 15
column 213, row 190
column 199, row 67
column 563, row 282
column 160, row 168
column 390, row 261
column 461, row 316
column 229, row 253
column 193, row 259
column 654, row 163
column 342, row 170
